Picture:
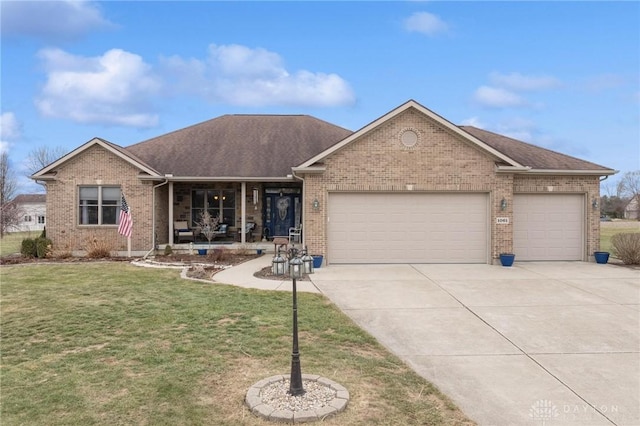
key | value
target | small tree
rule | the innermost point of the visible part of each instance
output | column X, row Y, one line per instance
column 10, row 214
column 208, row 225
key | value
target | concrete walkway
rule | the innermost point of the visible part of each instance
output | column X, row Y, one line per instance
column 536, row 344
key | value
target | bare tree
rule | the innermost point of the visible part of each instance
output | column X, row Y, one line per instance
column 40, row 157
column 9, row 213
column 629, row 185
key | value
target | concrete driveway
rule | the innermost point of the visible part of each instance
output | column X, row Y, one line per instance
column 535, row 344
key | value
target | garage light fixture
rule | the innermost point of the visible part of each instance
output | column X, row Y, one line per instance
column 315, row 204
column 503, row 204
column 594, row 203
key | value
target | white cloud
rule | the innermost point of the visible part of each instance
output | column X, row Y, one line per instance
column 518, row 128
column 112, row 89
column 520, row 82
column 62, row 19
column 473, row 121
column 425, row 23
column 10, row 128
column 240, row 75
column 496, row 97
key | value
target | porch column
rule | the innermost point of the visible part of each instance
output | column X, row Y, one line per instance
column 243, row 211
column 170, row 206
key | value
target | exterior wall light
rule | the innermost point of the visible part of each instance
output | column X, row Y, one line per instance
column 315, row 204
column 594, row 204
column 503, row 204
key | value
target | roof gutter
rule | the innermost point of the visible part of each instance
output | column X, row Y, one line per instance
column 170, row 178
column 605, row 172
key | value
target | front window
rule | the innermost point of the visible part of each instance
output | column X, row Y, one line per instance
column 99, row 205
column 219, row 202
column 41, row 220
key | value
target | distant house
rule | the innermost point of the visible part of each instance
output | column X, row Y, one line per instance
column 33, row 209
column 409, row 187
column 632, row 210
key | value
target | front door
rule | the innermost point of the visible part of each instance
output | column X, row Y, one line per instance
column 282, row 212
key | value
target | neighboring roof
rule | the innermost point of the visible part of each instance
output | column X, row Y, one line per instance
column 30, row 198
column 237, row 146
column 48, row 172
column 533, row 156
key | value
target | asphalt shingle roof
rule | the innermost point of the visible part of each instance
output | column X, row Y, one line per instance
column 531, row 155
column 239, row 146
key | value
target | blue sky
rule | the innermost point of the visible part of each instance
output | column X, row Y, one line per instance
column 561, row 75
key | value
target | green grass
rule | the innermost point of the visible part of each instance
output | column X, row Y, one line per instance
column 609, row 229
column 110, row 343
column 10, row 243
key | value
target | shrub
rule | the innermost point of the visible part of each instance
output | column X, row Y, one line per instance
column 28, row 248
column 168, row 251
column 43, row 247
column 626, row 247
column 98, row 249
column 218, row 255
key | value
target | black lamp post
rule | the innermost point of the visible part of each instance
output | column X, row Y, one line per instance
column 298, row 264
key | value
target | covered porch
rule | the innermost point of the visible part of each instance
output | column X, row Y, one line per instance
column 249, row 214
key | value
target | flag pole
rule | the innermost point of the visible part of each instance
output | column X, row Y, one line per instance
column 128, row 246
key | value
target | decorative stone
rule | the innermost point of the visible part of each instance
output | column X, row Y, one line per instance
column 270, row 399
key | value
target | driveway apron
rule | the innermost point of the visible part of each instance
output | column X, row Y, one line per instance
column 535, row 344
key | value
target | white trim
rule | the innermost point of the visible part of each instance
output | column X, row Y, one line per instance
column 606, row 172
column 42, row 174
column 390, row 115
column 288, row 178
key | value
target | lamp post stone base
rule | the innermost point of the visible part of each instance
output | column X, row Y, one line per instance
column 323, row 398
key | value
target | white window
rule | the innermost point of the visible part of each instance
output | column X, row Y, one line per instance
column 98, row 205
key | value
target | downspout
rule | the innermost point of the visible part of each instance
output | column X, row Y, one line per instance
column 153, row 216
column 304, row 208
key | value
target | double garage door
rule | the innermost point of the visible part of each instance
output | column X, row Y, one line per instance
column 449, row 228
column 407, row 228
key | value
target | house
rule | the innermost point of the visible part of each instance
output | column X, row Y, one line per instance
column 408, row 187
column 632, row 209
column 33, row 209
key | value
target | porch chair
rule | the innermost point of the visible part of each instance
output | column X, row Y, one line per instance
column 221, row 232
column 248, row 231
column 182, row 231
column 295, row 234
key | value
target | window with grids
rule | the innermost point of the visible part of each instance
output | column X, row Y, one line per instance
column 219, row 202
column 98, row 205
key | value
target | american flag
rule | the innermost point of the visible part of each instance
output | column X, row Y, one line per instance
column 126, row 224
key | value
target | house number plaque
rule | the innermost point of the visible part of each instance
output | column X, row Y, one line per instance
column 502, row 220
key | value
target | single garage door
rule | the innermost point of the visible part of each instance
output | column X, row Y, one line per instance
column 548, row 227
column 407, row 228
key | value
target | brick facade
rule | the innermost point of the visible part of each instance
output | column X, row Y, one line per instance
column 96, row 166
column 440, row 161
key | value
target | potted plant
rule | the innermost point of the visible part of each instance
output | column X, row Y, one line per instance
column 208, row 225
column 601, row 256
column 506, row 259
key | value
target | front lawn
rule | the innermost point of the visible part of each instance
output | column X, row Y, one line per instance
column 110, row 343
column 11, row 242
column 609, row 229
